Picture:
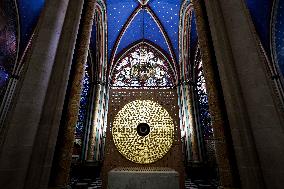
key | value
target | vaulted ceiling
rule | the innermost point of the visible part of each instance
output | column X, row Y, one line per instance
column 130, row 21
column 154, row 20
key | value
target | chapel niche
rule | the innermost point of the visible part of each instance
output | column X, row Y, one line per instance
column 143, row 74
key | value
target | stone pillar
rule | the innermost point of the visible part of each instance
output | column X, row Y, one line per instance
column 64, row 147
column 191, row 132
column 196, row 139
column 192, row 150
column 101, row 112
column 93, row 129
column 96, row 128
column 32, row 124
column 254, row 111
column 225, row 162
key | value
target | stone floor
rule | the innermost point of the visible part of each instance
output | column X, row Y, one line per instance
column 198, row 177
column 86, row 183
column 189, row 184
column 201, row 184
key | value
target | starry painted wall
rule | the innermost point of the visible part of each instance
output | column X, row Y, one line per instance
column 278, row 34
column 29, row 12
column 18, row 20
column 268, row 18
column 260, row 11
column 8, row 41
column 128, row 23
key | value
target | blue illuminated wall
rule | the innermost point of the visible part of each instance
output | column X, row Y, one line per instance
column 134, row 31
column 278, row 34
column 93, row 44
column 84, row 101
column 8, row 41
column 193, row 37
column 267, row 16
column 118, row 12
column 29, row 11
column 143, row 26
column 260, row 11
column 168, row 13
column 18, row 19
column 158, row 23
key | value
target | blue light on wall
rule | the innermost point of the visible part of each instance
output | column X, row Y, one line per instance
column 29, row 11
column 154, row 34
column 260, row 11
column 193, row 37
column 278, row 34
column 93, row 39
column 83, row 110
column 143, row 26
column 8, row 42
column 3, row 77
column 133, row 33
column 118, row 12
column 168, row 13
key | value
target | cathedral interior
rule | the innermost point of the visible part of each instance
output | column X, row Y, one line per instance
column 141, row 94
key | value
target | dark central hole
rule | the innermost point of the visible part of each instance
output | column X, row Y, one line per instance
column 143, row 129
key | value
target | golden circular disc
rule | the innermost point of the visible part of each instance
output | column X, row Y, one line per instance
column 143, row 149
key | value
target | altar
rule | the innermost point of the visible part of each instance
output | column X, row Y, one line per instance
column 143, row 178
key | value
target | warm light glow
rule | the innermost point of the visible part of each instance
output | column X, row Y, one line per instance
column 143, row 149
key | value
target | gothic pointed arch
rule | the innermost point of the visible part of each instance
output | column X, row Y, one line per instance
column 90, row 125
column 143, row 64
column 194, row 107
column 144, row 8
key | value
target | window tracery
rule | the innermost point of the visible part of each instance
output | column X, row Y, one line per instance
column 142, row 66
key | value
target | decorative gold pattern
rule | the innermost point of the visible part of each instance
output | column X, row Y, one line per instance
column 139, row 149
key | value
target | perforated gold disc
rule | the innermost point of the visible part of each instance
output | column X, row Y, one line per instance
column 154, row 144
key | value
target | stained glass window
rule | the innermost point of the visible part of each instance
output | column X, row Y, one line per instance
column 83, row 111
column 142, row 66
column 202, row 100
column 8, row 42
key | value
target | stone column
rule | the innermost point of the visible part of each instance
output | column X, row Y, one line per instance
column 254, row 111
column 99, row 100
column 191, row 132
column 186, row 95
column 221, row 130
column 63, row 156
column 196, row 140
column 93, row 129
column 32, row 124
